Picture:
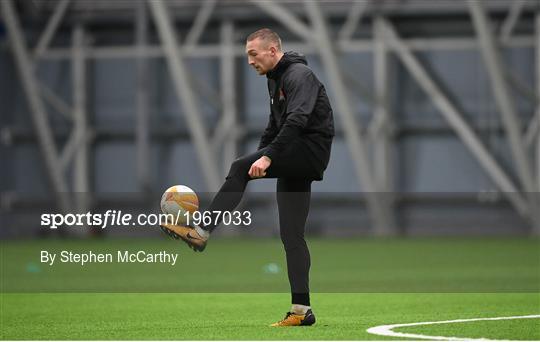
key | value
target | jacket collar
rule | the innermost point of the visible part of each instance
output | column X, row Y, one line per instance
column 286, row 60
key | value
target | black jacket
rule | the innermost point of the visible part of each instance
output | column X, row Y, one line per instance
column 299, row 109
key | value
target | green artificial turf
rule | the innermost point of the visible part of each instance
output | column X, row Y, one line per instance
column 237, row 287
column 247, row 316
column 258, row 265
column 511, row 329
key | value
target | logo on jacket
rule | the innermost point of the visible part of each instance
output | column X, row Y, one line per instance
column 281, row 96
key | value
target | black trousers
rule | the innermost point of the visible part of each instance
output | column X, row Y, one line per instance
column 294, row 175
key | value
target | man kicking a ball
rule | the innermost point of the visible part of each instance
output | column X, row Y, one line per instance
column 295, row 149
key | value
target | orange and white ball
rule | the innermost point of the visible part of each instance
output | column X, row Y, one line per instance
column 179, row 200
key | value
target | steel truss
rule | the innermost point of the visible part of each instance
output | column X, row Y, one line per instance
column 373, row 171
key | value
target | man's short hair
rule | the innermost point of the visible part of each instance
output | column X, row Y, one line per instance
column 267, row 35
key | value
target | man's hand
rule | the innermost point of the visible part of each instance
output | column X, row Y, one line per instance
column 258, row 169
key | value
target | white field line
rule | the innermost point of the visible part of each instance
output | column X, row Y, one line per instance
column 386, row 330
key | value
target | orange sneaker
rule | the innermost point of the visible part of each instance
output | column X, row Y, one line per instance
column 292, row 319
column 189, row 235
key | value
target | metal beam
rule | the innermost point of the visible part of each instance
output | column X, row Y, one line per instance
column 221, row 131
column 381, row 126
column 200, row 22
column 281, row 14
column 537, row 48
column 50, row 28
column 532, row 129
column 81, row 182
column 382, row 145
column 37, row 109
column 185, row 95
column 73, row 144
column 358, row 8
column 455, row 118
column 511, row 19
column 213, row 50
column 382, row 217
column 192, row 39
column 211, row 96
column 506, row 32
column 79, row 110
column 520, row 86
column 228, row 86
column 41, row 47
column 184, row 10
column 142, row 134
column 43, row 44
column 507, row 27
column 492, row 57
column 55, row 101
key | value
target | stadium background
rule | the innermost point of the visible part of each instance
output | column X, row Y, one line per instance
column 432, row 187
column 104, row 84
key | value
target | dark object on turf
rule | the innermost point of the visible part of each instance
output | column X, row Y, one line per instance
column 291, row 320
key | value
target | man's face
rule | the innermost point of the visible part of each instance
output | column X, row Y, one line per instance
column 261, row 55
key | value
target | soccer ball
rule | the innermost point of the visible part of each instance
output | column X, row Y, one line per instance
column 180, row 202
